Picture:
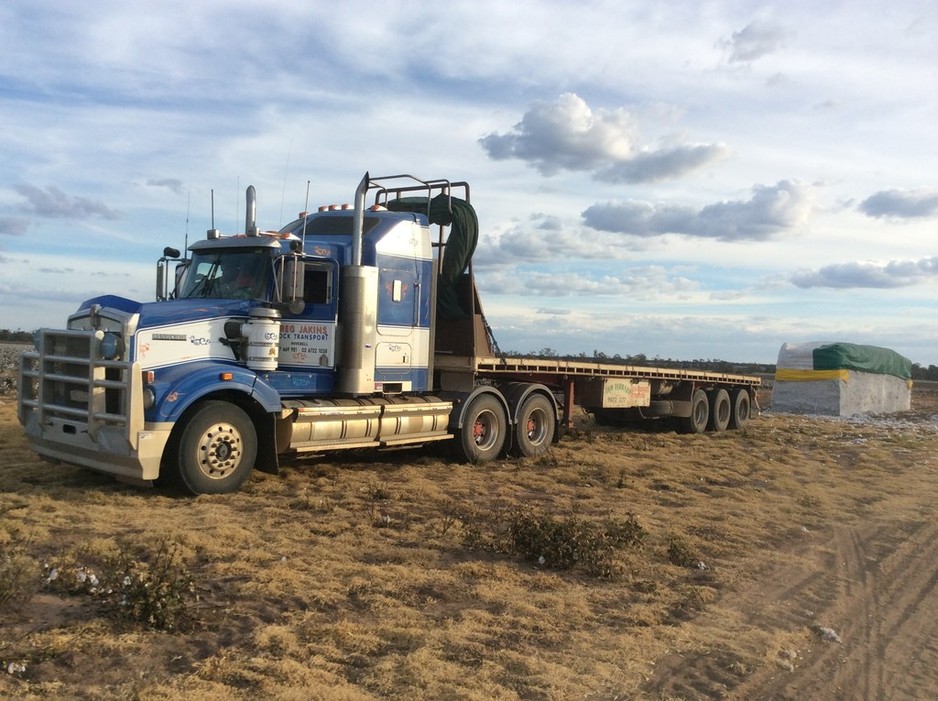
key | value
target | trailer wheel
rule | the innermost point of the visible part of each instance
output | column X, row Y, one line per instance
column 217, row 449
column 483, row 433
column 742, row 409
column 699, row 414
column 720, row 410
column 535, row 428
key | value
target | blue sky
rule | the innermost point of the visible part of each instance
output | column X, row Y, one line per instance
column 683, row 180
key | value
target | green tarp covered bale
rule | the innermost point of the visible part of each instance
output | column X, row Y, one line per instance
column 841, row 379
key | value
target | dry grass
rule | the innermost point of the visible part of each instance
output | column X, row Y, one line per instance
column 360, row 578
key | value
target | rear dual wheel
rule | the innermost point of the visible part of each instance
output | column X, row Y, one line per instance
column 535, row 428
column 742, row 409
column 717, row 410
column 699, row 414
column 484, row 430
column 720, row 410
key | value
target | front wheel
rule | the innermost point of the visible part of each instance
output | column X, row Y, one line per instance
column 483, row 432
column 216, row 449
column 535, row 428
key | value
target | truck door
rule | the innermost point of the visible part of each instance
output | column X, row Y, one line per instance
column 307, row 340
column 397, row 321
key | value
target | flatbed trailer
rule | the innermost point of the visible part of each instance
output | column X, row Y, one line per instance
column 616, row 393
column 350, row 328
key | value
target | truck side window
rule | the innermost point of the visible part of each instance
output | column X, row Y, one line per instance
column 317, row 288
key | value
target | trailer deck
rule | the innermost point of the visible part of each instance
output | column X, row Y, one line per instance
column 607, row 388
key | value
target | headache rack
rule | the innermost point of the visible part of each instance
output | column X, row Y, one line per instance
column 68, row 388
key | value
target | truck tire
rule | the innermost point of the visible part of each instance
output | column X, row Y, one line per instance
column 699, row 414
column 484, row 430
column 535, row 428
column 217, row 449
column 742, row 409
column 720, row 410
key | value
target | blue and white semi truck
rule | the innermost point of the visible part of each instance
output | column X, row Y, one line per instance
column 350, row 328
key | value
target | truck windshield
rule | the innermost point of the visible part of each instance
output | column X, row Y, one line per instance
column 238, row 274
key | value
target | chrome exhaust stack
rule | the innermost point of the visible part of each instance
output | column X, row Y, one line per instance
column 356, row 359
column 358, row 224
column 250, row 215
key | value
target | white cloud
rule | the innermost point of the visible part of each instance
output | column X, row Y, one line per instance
column 52, row 202
column 901, row 204
column 544, row 238
column 639, row 283
column 13, row 226
column 895, row 273
column 771, row 212
column 757, row 39
column 172, row 184
column 568, row 135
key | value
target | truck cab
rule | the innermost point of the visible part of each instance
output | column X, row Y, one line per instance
column 314, row 337
column 324, row 335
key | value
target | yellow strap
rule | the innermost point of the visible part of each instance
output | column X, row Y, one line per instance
column 785, row 374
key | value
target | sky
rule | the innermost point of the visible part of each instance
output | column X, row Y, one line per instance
column 683, row 180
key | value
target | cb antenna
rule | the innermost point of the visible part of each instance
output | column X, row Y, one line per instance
column 305, row 215
column 185, row 250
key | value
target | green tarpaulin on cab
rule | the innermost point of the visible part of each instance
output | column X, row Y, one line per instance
column 445, row 210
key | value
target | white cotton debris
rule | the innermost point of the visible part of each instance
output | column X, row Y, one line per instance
column 828, row 634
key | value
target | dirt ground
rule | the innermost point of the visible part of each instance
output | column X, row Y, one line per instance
column 796, row 559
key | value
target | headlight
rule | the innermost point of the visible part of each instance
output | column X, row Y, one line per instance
column 111, row 346
column 149, row 398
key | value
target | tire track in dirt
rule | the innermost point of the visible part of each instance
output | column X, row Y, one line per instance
column 886, row 579
column 908, row 628
column 874, row 585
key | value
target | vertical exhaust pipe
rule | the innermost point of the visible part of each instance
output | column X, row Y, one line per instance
column 359, row 220
column 250, row 215
column 358, row 312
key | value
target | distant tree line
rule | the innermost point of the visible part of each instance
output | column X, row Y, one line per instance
column 15, row 336
column 920, row 372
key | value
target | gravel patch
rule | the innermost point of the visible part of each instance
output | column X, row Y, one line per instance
column 10, row 366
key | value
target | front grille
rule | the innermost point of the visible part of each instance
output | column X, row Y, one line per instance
column 67, row 380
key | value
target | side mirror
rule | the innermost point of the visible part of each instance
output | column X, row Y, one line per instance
column 169, row 253
column 160, row 282
column 291, row 285
column 181, row 269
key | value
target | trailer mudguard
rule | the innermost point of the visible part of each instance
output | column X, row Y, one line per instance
column 516, row 392
column 461, row 400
